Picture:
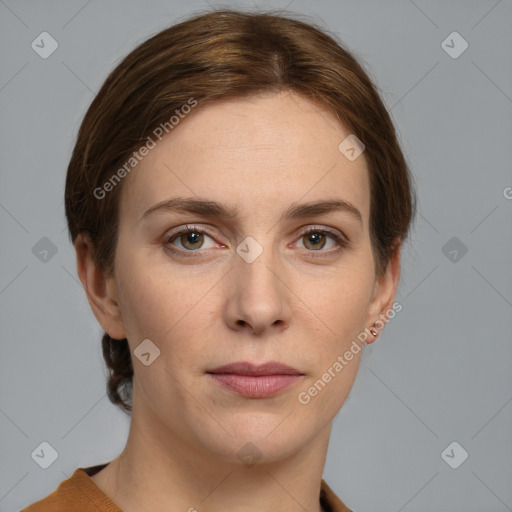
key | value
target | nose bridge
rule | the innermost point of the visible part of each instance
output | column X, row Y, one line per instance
column 259, row 264
column 258, row 293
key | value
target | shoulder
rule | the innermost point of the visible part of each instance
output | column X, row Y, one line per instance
column 52, row 503
column 78, row 492
column 59, row 500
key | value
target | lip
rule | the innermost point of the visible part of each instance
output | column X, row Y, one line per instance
column 247, row 368
column 256, row 381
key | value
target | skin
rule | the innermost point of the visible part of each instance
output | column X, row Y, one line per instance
column 259, row 155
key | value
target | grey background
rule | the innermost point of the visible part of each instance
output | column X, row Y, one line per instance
column 440, row 371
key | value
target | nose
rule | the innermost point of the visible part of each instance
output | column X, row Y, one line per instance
column 257, row 295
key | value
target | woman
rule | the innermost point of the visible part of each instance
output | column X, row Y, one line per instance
column 238, row 200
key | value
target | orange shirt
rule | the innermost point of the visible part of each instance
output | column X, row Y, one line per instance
column 79, row 493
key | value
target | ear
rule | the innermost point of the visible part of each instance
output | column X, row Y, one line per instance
column 384, row 294
column 101, row 291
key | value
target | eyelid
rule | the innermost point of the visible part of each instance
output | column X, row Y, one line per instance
column 186, row 229
column 336, row 233
column 307, row 229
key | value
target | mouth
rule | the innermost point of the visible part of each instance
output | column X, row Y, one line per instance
column 256, row 381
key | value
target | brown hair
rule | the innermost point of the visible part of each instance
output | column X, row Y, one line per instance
column 220, row 55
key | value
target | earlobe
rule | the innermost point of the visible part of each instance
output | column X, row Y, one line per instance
column 100, row 290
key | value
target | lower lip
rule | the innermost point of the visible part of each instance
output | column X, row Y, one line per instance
column 255, row 387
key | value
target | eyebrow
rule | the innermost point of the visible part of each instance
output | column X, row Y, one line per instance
column 214, row 209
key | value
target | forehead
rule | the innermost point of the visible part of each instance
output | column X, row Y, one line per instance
column 259, row 154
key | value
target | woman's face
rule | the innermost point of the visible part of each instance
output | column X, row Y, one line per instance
column 251, row 287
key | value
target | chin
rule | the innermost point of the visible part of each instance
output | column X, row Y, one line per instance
column 261, row 438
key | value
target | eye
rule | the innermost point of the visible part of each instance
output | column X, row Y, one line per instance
column 190, row 238
column 316, row 239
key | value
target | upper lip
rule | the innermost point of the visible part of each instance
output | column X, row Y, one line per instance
column 247, row 368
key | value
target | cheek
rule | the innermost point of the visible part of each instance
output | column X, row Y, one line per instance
column 162, row 305
column 341, row 311
column 343, row 301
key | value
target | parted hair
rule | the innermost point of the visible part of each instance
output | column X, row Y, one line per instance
column 218, row 55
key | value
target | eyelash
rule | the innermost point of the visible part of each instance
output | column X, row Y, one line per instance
column 341, row 240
